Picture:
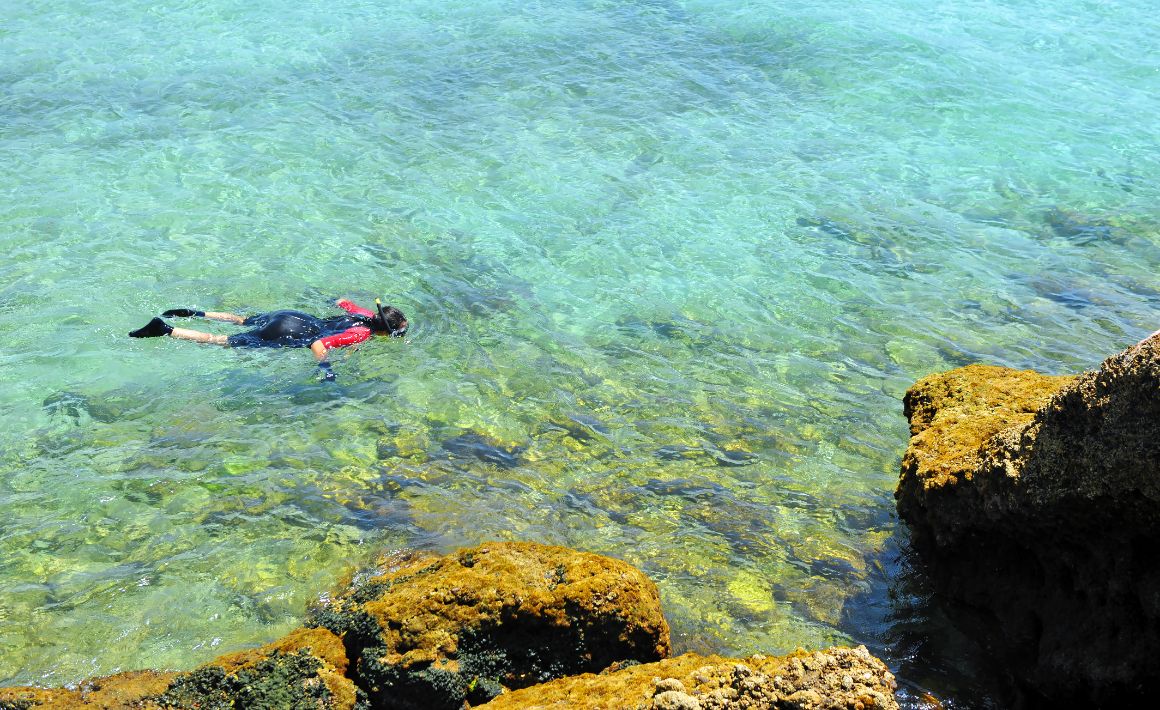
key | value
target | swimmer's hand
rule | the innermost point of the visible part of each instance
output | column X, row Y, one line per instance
column 182, row 313
column 327, row 374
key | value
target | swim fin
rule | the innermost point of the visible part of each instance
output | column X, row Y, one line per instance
column 153, row 329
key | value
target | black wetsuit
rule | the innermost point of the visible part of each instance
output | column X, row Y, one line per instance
column 292, row 329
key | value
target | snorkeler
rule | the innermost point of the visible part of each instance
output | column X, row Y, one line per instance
column 288, row 329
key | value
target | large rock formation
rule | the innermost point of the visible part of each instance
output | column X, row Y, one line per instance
column 1035, row 502
column 834, row 679
column 434, row 632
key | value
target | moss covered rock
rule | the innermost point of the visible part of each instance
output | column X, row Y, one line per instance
column 952, row 415
column 303, row 671
column 435, row 632
column 135, row 689
column 837, row 678
column 1035, row 503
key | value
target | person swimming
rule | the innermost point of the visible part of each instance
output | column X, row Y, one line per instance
column 288, row 329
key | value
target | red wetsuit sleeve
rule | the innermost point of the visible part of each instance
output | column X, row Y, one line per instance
column 350, row 307
column 350, row 336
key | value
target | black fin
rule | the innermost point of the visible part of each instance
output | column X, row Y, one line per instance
column 153, row 329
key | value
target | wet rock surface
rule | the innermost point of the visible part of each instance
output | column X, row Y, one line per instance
column 434, row 632
column 1034, row 503
column 835, row 678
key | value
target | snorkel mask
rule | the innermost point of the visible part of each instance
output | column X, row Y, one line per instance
column 382, row 318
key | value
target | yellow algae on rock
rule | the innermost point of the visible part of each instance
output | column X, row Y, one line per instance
column 833, row 679
column 953, row 414
column 434, row 632
column 134, row 689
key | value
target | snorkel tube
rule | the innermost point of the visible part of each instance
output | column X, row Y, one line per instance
column 382, row 316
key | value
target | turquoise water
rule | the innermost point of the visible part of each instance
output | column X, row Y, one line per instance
column 669, row 267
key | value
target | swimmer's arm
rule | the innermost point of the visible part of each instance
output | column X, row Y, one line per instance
column 321, row 347
column 351, row 307
column 350, row 336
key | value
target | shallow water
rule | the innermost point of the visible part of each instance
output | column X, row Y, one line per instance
column 669, row 267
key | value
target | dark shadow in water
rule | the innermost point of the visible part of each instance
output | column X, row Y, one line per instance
column 901, row 621
column 124, row 403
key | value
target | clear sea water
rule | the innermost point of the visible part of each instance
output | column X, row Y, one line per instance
column 670, row 267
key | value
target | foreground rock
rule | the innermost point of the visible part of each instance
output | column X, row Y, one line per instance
column 834, row 679
column 303, row 670
column 435, row 632
column 124, row 690
column 423, row 631
column 1035, row 501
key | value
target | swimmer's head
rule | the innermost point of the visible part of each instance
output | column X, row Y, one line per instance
column 389, row 320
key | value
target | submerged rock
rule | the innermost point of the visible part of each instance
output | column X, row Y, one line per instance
column 1035, row 502
column 71, row 404
column 729, row 456
column 837, row 679
column 581, row 427
column 434, row 632
column 472, row 445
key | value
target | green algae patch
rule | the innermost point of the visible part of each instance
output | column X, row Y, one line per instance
column 434, row 632
column 279, row 681
column 305, row 669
